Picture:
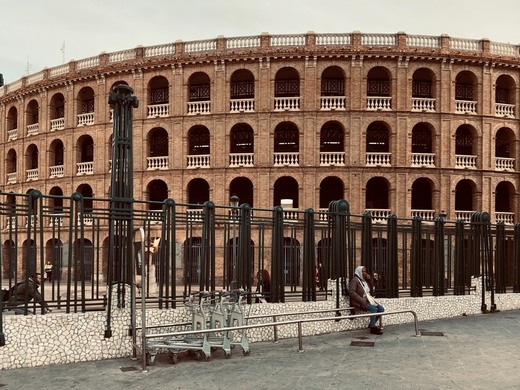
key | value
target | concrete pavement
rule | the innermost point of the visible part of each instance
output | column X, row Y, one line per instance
column 472, row 352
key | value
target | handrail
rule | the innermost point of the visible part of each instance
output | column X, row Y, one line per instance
column 287, row 322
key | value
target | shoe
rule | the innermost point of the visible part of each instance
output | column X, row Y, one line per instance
column 375, row 330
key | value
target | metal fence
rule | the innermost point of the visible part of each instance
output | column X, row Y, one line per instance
column 188, row 247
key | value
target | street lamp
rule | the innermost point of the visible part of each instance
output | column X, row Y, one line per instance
column 233, row 202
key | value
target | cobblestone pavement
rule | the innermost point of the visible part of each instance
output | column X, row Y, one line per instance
column 472, row 352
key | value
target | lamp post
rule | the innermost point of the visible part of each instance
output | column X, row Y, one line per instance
column 233, row 202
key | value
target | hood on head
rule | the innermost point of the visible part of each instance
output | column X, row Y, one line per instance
column 359, row 271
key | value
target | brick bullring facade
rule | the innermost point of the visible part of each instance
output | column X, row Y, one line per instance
column 396, row 124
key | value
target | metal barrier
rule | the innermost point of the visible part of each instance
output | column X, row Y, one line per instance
column 299, row 322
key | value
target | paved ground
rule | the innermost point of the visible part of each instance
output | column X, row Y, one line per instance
column 474, row 352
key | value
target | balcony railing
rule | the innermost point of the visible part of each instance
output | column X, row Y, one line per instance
column 465, row 162
column 379, row 215
column 197, row 108
column 159, row 162
column 242, row 105
column 504, row 164
column 465, row 107
column 426, row 160
column 195, row 215
column 332, row 159
column 198, row 161
column 12, row 134
column 287, row 103
column 382, row 103
column 31, row 174
column 85, row 168
column 57, row 124
column 505, row 110
column 507, row 217
column 241, row 159
column 56, row 171
column 332, row 103
column 33, row 129
column 282, row 159
column 158, row 110
column 423, row 104
column 427, row 215
column 11, row 178
column 464, row 215
column 86, row 119
column 56, row 220
column 381, row 159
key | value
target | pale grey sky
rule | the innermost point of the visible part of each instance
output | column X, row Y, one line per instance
column 32, row 32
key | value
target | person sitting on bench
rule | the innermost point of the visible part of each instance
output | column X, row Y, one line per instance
column 360, row 297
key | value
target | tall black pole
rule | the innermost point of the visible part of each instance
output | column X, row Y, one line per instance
column 120, row 259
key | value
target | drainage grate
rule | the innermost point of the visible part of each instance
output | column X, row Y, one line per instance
column 428, row 333
column 125, row 369
column 362, row 343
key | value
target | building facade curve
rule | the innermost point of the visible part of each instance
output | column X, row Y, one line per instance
column 399, row 124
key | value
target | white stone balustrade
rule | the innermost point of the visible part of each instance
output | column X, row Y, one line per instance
column 332, row 103
column 59, row 70
column 290, row 214
column 504, row 49
column 378, row 159
column 86, row 119
column 378, row 39
column 505, row 110
column 427, row 215
column 56, row 220
column 464, row 215
column 426, row 160
column 87, row 63
column 198, row 46
column 31, row 174
column 287, row 103
column 287, row 40
column 383, row 103
column 465, row 44
column 332, row 159
column 242, row 42
column 241, row 160
column 87, row 218
column 332, row 39
column 11, row 178
column 33, row 129
column 242, row 105
column 57, row 124
column 465, row 161
column 31, row 220
column 155, row 216
column 423, row 41
column 423, row 104
column 465, row 107
column 286, row 159
column 379, row 215
column 155, row 111
column 120, row 56
column 12, row 134
column 203, row 107
column 159, row 162
column 85, row 168
column 198, row 161
column 507, row 217
column 195, row 215
column 159, row 50
column 10, row 222
column 505, row 164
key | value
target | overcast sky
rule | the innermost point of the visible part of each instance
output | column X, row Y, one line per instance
column 36, row 34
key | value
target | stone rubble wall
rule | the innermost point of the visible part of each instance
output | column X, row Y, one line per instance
column 59, row 338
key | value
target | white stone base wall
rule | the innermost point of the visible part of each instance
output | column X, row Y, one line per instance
column 60, row 338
